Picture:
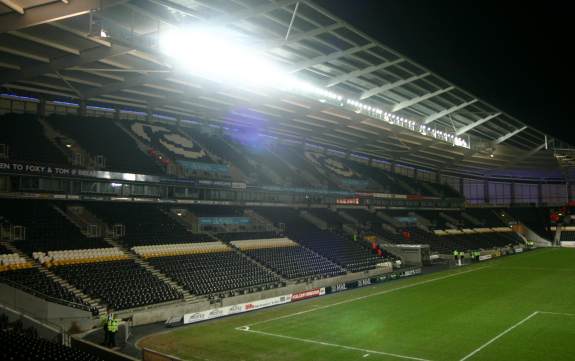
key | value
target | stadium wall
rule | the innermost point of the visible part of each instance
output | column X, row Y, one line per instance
column 163, row 313
column 54, row 313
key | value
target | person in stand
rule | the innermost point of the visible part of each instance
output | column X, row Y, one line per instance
column 113, row 324
column 104, row 319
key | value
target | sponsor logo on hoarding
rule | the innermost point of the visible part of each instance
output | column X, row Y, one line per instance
column 308, row 294
column 485, row 257
column 363, row 282
column 339, row 287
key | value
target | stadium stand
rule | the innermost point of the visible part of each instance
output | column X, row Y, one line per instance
column 46, row 228
column 217, row 271
column 145, row 224
column 97, row 134
column 119, row 284
column 24, row 344
column 19, row 131
column 33, row 281
column 295, row 262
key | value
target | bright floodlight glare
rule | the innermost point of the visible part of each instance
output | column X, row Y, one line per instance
column 220, row 55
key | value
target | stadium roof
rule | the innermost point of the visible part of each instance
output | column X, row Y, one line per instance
column 106, row 52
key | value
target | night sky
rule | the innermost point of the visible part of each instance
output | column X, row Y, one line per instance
column 515, row 55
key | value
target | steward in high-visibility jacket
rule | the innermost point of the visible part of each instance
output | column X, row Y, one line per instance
column 104, row 325
column 113, row 324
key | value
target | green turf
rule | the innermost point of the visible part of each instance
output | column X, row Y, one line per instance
column 440, row 317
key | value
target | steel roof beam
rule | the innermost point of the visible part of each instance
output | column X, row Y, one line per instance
column 505, row 137
column 448, row 111
column 411, row 102
column 329, row 57
column 52, row 12
column 388, row 87
column 357, row 73
column 68, row 61
column 475, row 124
column 12, row 4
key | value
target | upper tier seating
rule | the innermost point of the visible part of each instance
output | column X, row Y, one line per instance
column 17, row 345
column 145, row 224
column 20, row 131
column 101, row 136
column 218, row 146
column 46, row 229
column 119, row 284
column 33, row 281
column 215, row 272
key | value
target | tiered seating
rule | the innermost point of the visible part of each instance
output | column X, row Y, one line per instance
column 186, row 152
column 295, row 262
column 349, row 254
column 237, row 236
column 218, row 272
column 145, row 224
column 18, row 345
column 385, row 179
column 46, row 229
column 179, row 249
column 19, row 131
column 536, row 218
column 297, row 159
column 218, row 146
column 486, row 216
column 119, row 284
column 62, row 258
column 352, row 255
column 330, row 217
column 275, row 242
column 567, row 236
column 103, row 137
column 33, row 281
column 13, row 261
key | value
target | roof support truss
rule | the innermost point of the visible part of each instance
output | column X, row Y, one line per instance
column 388, row 87
column 477, row 123
column 505, row 137
column 329, row 57
column 354, row 74
column 445, row 112
column 51, row 12
column 411, row 102
column 68, row 61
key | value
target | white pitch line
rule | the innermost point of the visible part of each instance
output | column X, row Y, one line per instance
column 329, row 344
column 557, row 313
column 366, row 296
column 500, row 335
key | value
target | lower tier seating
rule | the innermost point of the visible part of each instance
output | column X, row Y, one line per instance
column 33, row 281
column 212, row 273
column 296, row 262
column 349, row 254
column 119, row 284
column 19, row 345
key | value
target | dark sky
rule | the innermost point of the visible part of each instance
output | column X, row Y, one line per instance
column 515, row 55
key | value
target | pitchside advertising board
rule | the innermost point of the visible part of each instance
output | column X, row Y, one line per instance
column 294, row 297
column 232, row 310
column 369, row 281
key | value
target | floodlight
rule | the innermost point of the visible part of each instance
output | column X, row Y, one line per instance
column 220, row 55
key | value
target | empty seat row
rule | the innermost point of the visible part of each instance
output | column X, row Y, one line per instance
column 57, row 258
column 213, row 273
column 119, row 284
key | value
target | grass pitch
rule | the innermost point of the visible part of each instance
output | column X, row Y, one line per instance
column 513, row 308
